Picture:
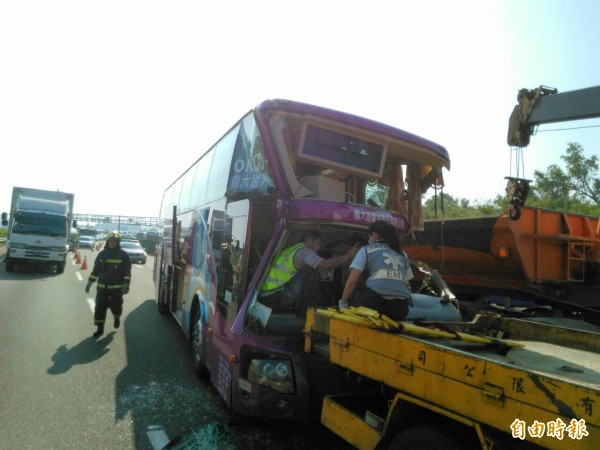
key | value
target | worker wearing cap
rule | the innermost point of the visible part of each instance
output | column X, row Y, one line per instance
column 112, row 270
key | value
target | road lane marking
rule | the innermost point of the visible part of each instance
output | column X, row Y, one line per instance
column 78, row 275
column 92, row 303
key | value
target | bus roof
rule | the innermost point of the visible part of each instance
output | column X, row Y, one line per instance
column 356, row 121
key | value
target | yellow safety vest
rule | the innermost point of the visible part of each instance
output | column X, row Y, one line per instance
column 283, row 270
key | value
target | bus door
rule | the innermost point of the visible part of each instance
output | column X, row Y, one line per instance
column 165, row 280
column 229, row 234
column 182, row 249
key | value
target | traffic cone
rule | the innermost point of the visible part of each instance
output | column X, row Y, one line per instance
column 78, row 260
column 84, row 265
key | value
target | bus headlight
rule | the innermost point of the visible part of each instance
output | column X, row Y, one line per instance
column 272, row 373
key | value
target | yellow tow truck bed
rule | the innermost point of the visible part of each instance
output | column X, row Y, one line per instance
column 518, row 388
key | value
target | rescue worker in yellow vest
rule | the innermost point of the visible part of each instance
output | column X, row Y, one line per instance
column 293, row 281
column 112, row 269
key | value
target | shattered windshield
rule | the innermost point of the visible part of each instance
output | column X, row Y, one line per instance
column 376, row 194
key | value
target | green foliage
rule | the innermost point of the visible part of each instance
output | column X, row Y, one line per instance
column 575, row 189
column 3, row 232
column 462, row 207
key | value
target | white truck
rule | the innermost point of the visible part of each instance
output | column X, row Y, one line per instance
column 39, row 226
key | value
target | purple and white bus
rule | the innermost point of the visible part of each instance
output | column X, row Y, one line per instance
column 285, row 167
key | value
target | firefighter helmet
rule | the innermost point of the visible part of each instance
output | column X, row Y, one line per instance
column 113, row 235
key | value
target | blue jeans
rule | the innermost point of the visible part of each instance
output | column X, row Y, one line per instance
column 396, row 309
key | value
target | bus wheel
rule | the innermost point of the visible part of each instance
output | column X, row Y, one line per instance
column 197, row 347
column 423, row 437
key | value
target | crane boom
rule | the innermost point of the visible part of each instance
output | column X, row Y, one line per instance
column 544, row 105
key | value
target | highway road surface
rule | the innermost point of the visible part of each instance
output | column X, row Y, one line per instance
column 62, row 389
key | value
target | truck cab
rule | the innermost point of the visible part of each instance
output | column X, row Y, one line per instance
column 39, row 227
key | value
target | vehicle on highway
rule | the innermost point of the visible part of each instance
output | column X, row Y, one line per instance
column 86, row 242
column 73, row 238
column 137, row 254
column 152, row 235
column 39, row 228
column 284, row 168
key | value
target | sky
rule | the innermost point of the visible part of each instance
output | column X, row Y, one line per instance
column 113, row 100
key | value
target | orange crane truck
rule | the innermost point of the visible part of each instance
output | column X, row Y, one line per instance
column 527, row 261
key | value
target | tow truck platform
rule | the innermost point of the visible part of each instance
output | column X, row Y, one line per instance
column 540, row 388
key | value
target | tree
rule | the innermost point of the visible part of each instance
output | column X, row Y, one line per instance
column 575, row 189
column 584, row 174
column 446, row 206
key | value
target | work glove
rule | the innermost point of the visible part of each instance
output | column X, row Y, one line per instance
column 125, row 288
column 88, row 286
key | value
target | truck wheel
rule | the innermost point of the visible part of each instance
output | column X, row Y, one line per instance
column 197, row 347
column 423, row 437
column 10, row 266
column 60, row 268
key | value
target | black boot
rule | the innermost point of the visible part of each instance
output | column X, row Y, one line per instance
column 117, row 322
column 99, row 332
